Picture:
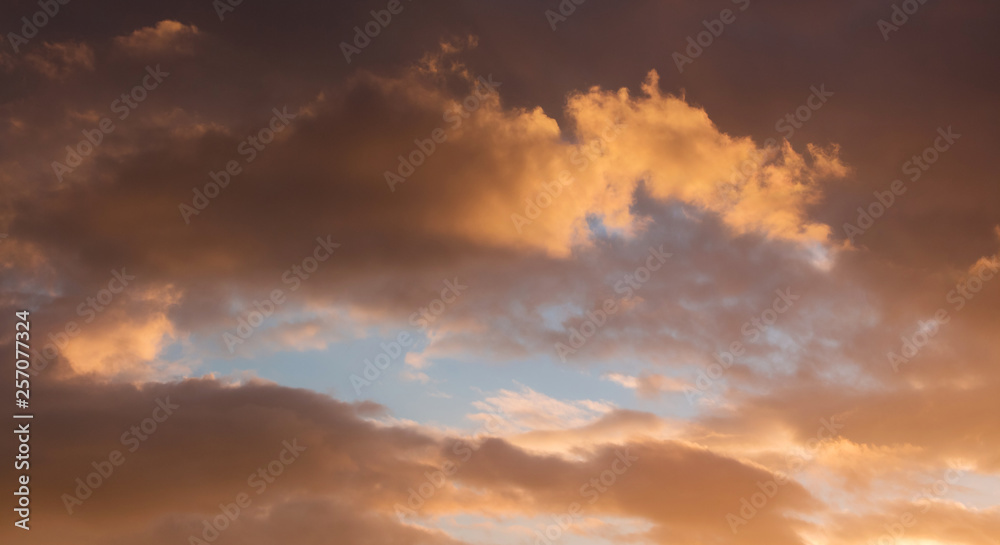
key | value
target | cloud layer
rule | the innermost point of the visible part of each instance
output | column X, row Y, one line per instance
column 702, row 346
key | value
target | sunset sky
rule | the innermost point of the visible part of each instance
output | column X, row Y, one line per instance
column 579, row 272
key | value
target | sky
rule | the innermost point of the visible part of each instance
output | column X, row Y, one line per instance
column 514, row 273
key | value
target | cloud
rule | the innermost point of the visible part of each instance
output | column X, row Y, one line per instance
column 648, row 385
column 167, row 37
column 57, row 61
column 617, row 426
column 619, row 149
column 654, row 158
column 526, row 409
column 351, row 469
